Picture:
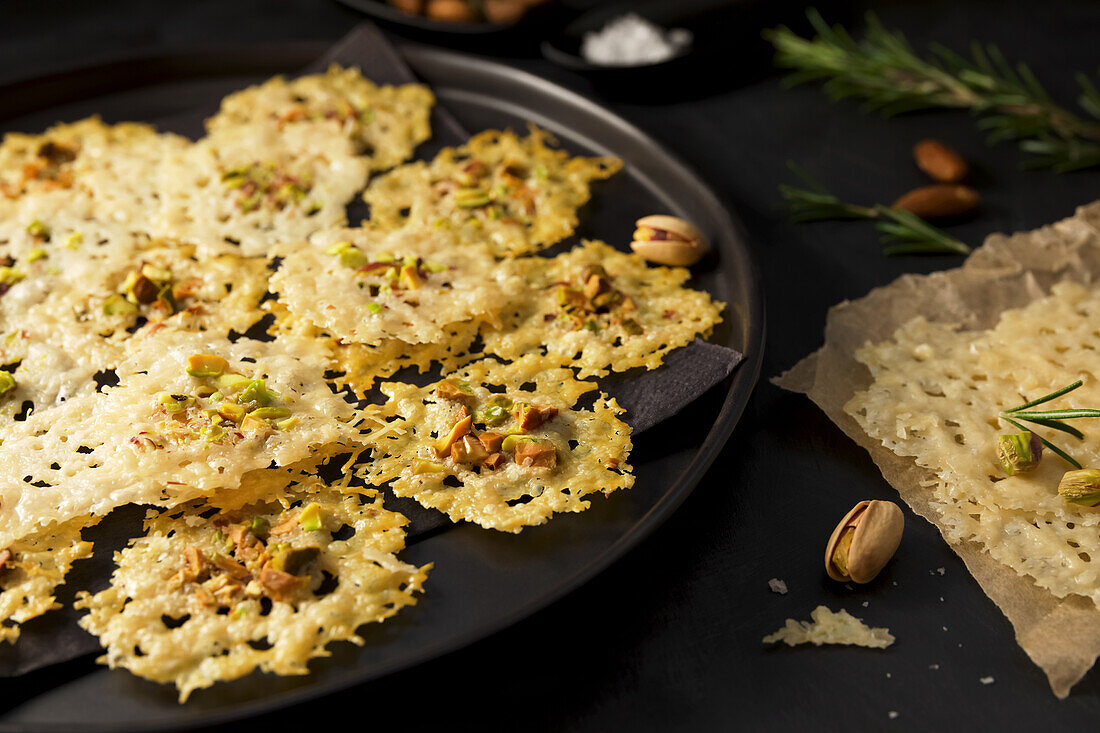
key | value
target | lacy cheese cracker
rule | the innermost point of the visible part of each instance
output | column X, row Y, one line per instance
column 595, row 308
column 384, row 123
column 500, row 445
column 366, row 286
column 359, row 366
column 31, row 570
column 516, row 194
column 164, row 435
column 936, row 396
column 202, row 598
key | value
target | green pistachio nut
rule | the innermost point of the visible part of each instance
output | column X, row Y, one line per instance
column 258, row 393
column 1019, row 452
column 471, row 198
column 206, row 365
column 7, row 382
column 38, row 230
column 1081, row 487
column 270, row 413
column 117, row 305
column 310, row 518
column 511, row 441
column 259, row 526
column 230, row 383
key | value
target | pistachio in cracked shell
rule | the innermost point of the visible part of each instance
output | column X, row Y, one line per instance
column 668, row 240
column 864, row 541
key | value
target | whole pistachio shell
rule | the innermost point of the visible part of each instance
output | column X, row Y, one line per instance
column 673, row 225
column 668, row 240
column 669, row 252
column 878, row 527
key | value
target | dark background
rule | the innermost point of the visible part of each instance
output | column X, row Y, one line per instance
column 669, row 638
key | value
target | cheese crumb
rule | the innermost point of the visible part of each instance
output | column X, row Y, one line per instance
column 830, row 627
column 777, row 586
column 893, row 714
column 941, row 571
column 986, row 680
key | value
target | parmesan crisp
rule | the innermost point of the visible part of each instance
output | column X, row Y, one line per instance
column 649, row 313
column 936, row 394
column 194, row 624
column 516, row 194
column 35, row 566
column 383, row 123
column 358, row 366
column 366, row 286
column 93, row 453
column 591, row 445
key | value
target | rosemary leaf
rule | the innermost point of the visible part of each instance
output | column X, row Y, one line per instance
column 884, row 71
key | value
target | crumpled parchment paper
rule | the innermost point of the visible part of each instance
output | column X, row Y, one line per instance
column 1008, row 271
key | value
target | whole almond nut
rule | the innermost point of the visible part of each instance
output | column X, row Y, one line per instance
column 939, row 201
column 940, row 162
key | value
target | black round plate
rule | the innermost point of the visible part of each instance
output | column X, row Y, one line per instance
column 483, row 580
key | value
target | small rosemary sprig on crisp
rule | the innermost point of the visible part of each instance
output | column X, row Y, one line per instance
column 882, row 69
column 1051, row 418
column 909, row 233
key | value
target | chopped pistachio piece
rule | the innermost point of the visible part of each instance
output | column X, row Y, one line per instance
column 350, row 255
column 259, row 526
column 175, row 402
column 10, row 276
column 495, row 411
column 471, row 198
column 206, row 365
column 296, row 560
column 232, row 411
column 74, row 240
column 269, row 413
column 287, row 424
column 257, row 393
column 38, row 230
column 410, row 278
column 374, row 307
column 230, row 383
column 213, row 433
column 7, row 382
column 37, row 254
column 117, row 305
column 310, row 518
column 510, row 442
column 252, row 424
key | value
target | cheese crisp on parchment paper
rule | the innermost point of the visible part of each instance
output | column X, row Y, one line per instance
column 917, row 371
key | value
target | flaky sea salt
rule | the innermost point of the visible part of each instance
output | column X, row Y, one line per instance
column 777, row 586
column 631, row 40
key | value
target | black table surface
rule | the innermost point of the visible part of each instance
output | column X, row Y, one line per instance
column 670, row 637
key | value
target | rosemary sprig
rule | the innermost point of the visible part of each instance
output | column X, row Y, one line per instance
column 1051, row 418
column 883, row 70
column 909, row 233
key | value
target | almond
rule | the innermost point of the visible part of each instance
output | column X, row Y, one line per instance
column 939, row 201
column 940, row 162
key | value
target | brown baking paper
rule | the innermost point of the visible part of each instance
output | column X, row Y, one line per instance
column 1062, row 636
